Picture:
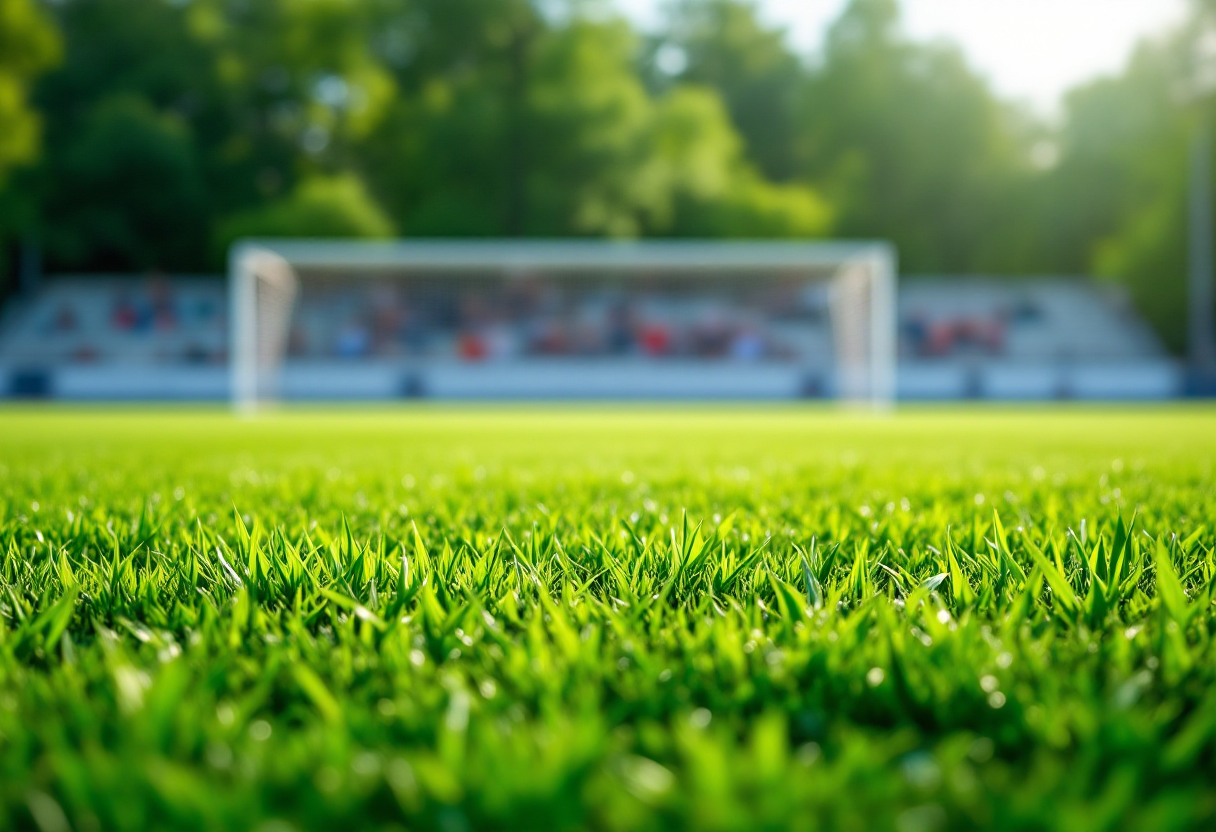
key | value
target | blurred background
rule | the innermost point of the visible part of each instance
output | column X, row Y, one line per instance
column 1042, row 169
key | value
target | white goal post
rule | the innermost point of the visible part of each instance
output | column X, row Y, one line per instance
column 285, row 291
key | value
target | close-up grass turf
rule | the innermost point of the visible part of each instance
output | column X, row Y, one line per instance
column 613, row 618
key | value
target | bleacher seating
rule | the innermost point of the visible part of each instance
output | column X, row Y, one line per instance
column 1020, row 320
column 118, row 320
column 123, row 337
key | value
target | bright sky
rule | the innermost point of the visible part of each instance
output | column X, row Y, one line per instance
column 1032, row 50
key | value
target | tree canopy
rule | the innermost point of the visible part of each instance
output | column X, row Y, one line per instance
column 143, row 134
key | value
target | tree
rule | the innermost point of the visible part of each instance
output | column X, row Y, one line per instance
column 1118, row 196
column 589, row 117
column 711, row 188
column 28, row 46
column 510, row 122
column 167, row 119
column 130, row 115
column 909, row 143
column 337, row 206
column 133, row 194
column 724, row 45
column 453, row 153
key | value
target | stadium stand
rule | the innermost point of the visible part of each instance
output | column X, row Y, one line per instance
column 138, row 322
column 156, row 338
column 1048, row 338
column 535, row 319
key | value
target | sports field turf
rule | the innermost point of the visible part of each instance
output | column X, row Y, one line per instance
column 625, row 618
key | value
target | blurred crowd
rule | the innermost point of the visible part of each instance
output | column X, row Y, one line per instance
column 927, row 336
column 154, row 319
column 185, row 321
column 534, row 318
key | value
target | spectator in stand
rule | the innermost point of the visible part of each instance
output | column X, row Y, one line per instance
column 994, row 337
column 297, row 341
column 353, row 340
column 65, row 319
column 546, row 336
column 387, row 319
column 162, row 307
column 655, row 339
column 412, row 331
column 711, row 335
column 747, row 344
column 500, row 341
column 620, row 338
column 985, row 334
column 940, row 340
column 916, row 332
column 471, row 343
column 125, row 316
column 471, row 346
column 587, row 335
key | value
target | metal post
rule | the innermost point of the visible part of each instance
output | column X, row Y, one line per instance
column 243, row 341
column 853, row 322
column 884, row 324
column 1201, row 300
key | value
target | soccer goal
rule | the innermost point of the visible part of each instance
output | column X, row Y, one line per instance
column 328, row 319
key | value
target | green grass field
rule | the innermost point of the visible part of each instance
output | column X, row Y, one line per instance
column 620, row 619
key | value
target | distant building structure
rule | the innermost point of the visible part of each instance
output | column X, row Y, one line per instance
column 141, row 338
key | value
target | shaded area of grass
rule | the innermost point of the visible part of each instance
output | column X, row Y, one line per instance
column 612, row 619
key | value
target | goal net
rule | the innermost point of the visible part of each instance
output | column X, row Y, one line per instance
column 562, row 319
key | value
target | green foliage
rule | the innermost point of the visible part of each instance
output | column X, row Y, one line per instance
column 729, row 49
column 910, row 142
column 588, row 117
column 1124, row 155
column 713, row 191
column 1148, row 257
column 633, row 619
column 137, row 194
column 754, row 208
column 169, row 124
column 319, row 207
column 28, row 45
